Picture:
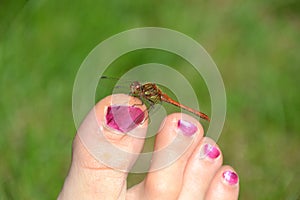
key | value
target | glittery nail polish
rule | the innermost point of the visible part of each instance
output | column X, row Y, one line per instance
column 186, row 127
column 124, row 118
column 211, row 151
column 230, row 177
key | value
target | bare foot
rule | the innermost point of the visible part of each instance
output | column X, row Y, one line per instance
column 197, row 174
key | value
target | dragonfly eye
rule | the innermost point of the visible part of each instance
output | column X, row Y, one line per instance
column 135, row 87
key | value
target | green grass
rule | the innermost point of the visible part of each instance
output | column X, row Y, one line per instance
column 256, row 45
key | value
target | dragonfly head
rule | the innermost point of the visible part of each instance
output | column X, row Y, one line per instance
column 135, row 88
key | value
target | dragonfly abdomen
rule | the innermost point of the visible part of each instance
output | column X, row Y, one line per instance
column 167, row 99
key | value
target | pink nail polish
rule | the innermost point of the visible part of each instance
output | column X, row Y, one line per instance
column 230, row 177
column 124, row 118
column 211, row 151
column 187, row 128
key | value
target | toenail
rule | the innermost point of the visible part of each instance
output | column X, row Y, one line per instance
column 230, row 177
column 211, row 151
column 187, row 128
column 124, row 118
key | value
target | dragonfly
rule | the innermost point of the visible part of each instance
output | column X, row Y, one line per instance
column 154, row 95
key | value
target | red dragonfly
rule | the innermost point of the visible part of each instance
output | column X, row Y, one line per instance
column 154, row 95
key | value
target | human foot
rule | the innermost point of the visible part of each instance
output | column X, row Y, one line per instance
column 107, row 149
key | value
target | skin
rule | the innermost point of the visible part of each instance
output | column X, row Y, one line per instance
column 189, row 177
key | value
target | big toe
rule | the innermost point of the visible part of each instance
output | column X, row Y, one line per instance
column 105, row 148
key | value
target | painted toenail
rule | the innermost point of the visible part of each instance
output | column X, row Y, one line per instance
column 187, row 128
column 211, row 151
column 230, row 177
column 124, row 118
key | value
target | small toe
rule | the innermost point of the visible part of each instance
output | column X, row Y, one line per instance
column 224, row 186
column 201, row 169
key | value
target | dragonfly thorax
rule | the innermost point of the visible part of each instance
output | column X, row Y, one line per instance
column 148, row 91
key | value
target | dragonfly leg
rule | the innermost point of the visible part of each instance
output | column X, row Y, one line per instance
column 138, row 104
column 140, row 97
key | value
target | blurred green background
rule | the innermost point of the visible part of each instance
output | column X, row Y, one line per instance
column 256, row 45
